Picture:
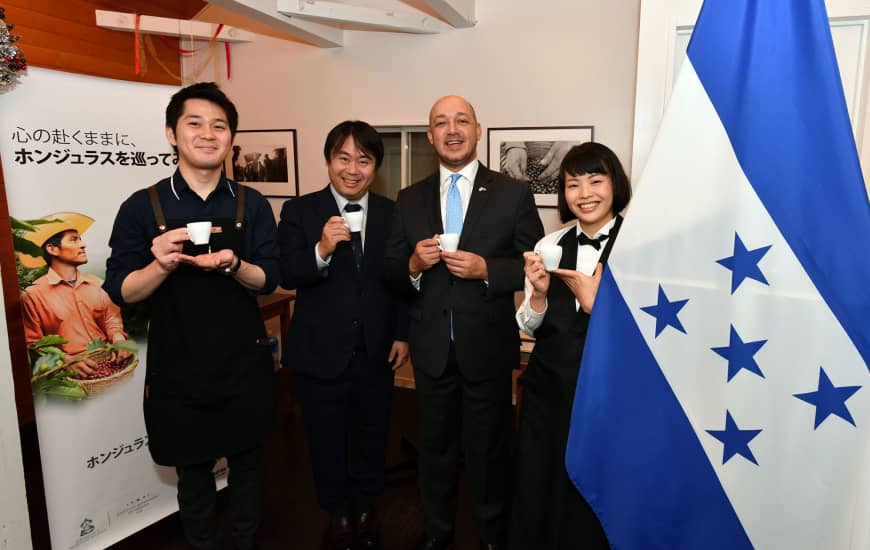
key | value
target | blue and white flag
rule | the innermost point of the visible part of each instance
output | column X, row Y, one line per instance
column 724, row 394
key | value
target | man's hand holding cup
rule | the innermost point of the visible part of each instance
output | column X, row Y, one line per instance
column 427, row 253
column 167, row 248
column 335, row 230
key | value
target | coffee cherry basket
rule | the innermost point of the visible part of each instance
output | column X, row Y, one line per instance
column 103, row 358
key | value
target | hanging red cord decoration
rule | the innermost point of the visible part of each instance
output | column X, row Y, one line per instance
column 140, row 55
column 182, row 51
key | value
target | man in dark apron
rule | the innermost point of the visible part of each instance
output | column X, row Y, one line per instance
column 209, row 385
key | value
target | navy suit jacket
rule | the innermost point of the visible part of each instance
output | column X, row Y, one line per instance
column 330, row 304
column 501, row 223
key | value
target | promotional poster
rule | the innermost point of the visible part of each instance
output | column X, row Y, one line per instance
column 74, row 148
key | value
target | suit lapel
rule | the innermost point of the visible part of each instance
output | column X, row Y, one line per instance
column 477, row 204
column 432, row 203
column 326, row 208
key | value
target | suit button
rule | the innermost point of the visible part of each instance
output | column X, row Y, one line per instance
column 452, row 282
column 355, row 323
column 444, row 312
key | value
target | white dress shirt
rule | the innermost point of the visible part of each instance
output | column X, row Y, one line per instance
column 465, row 185
column 323, row 263
column 587, row 260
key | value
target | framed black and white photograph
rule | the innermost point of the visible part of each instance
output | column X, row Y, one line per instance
column 265, row 160
column 534, row 154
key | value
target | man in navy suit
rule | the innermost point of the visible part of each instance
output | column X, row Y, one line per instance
column 464, row 343
column 349, row 331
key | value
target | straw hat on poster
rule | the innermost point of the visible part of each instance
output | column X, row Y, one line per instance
column 55, row 223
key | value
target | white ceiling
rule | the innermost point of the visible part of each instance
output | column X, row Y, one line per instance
column 323, row 22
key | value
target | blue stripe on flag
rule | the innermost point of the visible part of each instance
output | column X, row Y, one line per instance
column 770, row 71
column 630, row 436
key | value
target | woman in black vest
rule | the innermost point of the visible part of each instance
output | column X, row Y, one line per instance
column 548, row 510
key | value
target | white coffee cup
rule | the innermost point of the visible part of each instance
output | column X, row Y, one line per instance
column 354, row 220
column 200, row 232
column 448, row 242
column 551, row 255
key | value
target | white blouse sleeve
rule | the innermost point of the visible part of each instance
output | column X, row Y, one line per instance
column 527, row 318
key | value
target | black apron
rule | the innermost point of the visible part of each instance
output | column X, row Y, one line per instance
column 209, row 384
column 555, row 361
column 548, row 510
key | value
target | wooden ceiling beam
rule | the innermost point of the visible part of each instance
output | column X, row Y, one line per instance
column 118, row 21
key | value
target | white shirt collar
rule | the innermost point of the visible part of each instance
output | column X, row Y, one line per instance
column 468, row 172
column 605, row 229
column 341, row 201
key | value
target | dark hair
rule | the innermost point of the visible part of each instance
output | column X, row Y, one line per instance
column 208, row 91
column 54, row 240
column 366, row 138
column 593, row 158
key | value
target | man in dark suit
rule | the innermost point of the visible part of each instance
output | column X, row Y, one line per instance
column 464, row 342
column 349, row 331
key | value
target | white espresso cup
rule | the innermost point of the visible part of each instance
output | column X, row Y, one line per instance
column 354, row 220
column 551, row 255
column 448, row 242
column 200, row 232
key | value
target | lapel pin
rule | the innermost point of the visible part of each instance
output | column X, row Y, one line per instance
column 481, row 188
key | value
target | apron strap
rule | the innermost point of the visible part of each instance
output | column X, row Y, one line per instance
column 158, row 210
column 605, row 255
column 161, row 219
column 240, row 205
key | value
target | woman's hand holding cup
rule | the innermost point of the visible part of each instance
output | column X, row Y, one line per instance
column 536, row 273
column 539, row 278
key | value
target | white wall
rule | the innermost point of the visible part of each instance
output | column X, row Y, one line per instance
column 549, row 62
column 14, row 523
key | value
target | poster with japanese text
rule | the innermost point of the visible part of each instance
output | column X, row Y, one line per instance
column 73, row 149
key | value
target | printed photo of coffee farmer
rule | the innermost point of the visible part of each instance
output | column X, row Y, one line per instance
column 65, row 301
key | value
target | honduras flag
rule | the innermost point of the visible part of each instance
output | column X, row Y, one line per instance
column 723, row 399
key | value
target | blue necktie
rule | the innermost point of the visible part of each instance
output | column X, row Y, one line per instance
column 453, row 218
column 355, row 237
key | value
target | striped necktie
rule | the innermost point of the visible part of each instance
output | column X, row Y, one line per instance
column 355, row 237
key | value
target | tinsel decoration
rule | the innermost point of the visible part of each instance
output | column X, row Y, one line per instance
column 11, row 59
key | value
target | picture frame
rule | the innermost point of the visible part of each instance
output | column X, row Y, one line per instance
column 265, row 160
column 518, row 152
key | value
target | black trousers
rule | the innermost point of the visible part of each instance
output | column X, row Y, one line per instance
column 548, row 511
column 197, row 496
column 478, row 412
column 347, row 422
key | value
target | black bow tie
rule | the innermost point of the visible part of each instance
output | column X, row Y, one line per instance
column 594, row 243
